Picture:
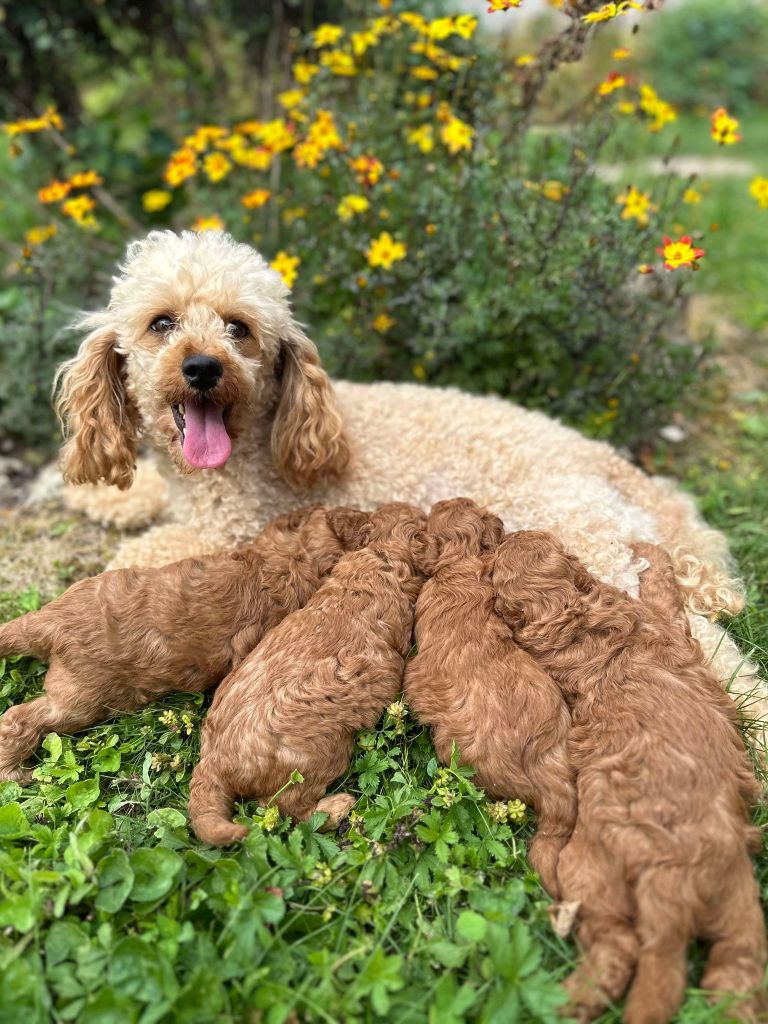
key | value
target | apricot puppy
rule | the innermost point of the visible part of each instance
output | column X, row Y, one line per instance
column 660, row 851
column 316, row 679
column 476, row 688
column 117, row 641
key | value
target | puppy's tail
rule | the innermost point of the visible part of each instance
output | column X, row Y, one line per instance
column 25, row 635
column 664, row 929
column 211, row 802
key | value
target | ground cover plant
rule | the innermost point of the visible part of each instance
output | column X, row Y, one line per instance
column 424, row 907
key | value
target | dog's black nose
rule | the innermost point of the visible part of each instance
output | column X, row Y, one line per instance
column 202, row 372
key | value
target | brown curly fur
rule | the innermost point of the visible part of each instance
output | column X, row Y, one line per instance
column 476, row 688
column 324, row 673
column 117, row 641
column 659, row 854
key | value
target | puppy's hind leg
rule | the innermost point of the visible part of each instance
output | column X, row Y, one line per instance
column 737, row 957
column 63, row 707
column 337, row 806
column 658, row 586
column 211, row 800
column 25, row 635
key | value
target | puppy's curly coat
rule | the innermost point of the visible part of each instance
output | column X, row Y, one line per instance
column 660, row 851
column 273, row 424
column 315, row 680
column 476, row 688
column 121, row 639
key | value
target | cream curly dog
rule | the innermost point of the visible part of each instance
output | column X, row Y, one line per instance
column 198, row 354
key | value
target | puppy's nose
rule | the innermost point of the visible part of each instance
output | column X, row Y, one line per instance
column 202, row 372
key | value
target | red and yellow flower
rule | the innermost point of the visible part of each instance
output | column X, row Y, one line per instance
column 258, row 197
column 614, row 81
column 681, row 253
column 724, row 128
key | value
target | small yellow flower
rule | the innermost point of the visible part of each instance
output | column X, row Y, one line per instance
column 498, row 812
column 554, row 190
column 271, row 818
column 425, row 73
column 79, row 209
column 457, row 135
column 85, row 179
column 637, row 205
column 293, row 213
column 156, row 199
column 258, row 158
column 612, row 10
column 212, row 222
column 362, row 42
column 423, row 137
column 682, row 253
column 613, row 82
column 419, row 371
column 621, row 53
column 327, row 35
column 323, row 131
column 660, row 112
column 626, row 107
column 516, row 810
column 304, row 72
column 168, row 719
column 350, row 205
column 181, row 165
column 362, row 282
column 382, row 323
column 216, row 166
column 339, row 62
column 307, row 155
column 367, row 169
column 724, row 127
column 55, row 192
column 276, row 135
column 384, row 251
column 415, row 21
column 203, row 136
column 40, row 235
column 502, row 5
column 287, row 266
column 431, row 229
column 291, row 98
column 464, row 25
column 524, row 60
column 258, row 197
column 692, row 196
column 758, row 189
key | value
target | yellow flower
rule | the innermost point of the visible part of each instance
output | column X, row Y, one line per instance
column 626, row 107
column 415, row 21
column 323, row 132
column 204, row 136
column 419, row 372
column 425, row 73
column 249, row 127
column 271, row 818
column 39, row 235
column 612, row 10
column 258, row 197
column 660, row 112
column 258, row 158
column 291, row 98
column 724, row 127
column 216, row 166
column 362, row 41
column 516, row 810
column 431, row 229
column 339, row 62
column 367, row 169
column 327, row 35
column 55, row 192
column 49, row 119
column 691, row 196
column 211, row 222
column 286, row 266
column 680, row 254
column 156, row 199
column 441, row 28
column 85, row 179
column 554, row 190
column 304, row 72
column 464, row 25
column 382, row 323
column 621, row 53
column 293, row 213
column 457, row 135
column 525, row 59
column 181, row 165
column 350, row 205
column 758, row 189
column 637, row 205
column 423, row 137
column 384, row 251
column 502, row 5
column 276, row 135
column 307, row 155
column 79, row 209
column 613, row 82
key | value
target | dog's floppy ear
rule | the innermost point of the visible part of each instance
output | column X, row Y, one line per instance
column 493, row 532
column 308, row 440
column 98, row 420
column 351, row 526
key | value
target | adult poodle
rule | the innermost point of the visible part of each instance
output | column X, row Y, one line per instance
column 198, row 355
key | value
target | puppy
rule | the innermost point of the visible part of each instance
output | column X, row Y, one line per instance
column 660, row 850
column 324, row 673
column 119, row 640
column 475, row 687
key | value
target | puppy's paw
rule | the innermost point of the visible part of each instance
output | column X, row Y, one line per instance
column 337, row 807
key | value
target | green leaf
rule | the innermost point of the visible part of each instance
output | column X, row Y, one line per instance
column 471, row 926
column 116, row 880
column 448, row 953
column 83, row 794
column 13, row 822
column 106, row 760
column 154, row 871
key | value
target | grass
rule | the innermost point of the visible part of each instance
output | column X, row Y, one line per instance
column 425, row 909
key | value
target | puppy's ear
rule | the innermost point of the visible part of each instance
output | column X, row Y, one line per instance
column 351, row 526
column 98, row 420
column 427, row 552
column 493, row 532
column 308, row 440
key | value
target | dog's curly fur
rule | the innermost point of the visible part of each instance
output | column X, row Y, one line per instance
column 353, row 444
column 314, row 681
column 660, row 850
column 476, row 688
column 121, row 639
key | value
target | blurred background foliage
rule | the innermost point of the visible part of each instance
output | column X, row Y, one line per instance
column 520, row 273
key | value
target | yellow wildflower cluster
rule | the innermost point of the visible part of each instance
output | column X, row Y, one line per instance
column 367, row 169
column 80, row 209
column 40, row 235
column 724, row 127
column 287, row 266
column 656, row 109
column 637, row 205
column 50, row 118
column 455, row 133
column 350, row 205
column 758, row 189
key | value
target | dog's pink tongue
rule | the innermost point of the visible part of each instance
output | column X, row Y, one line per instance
column 207, row 444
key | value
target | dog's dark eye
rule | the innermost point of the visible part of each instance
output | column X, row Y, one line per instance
column 162, row 324
column 236, row 329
